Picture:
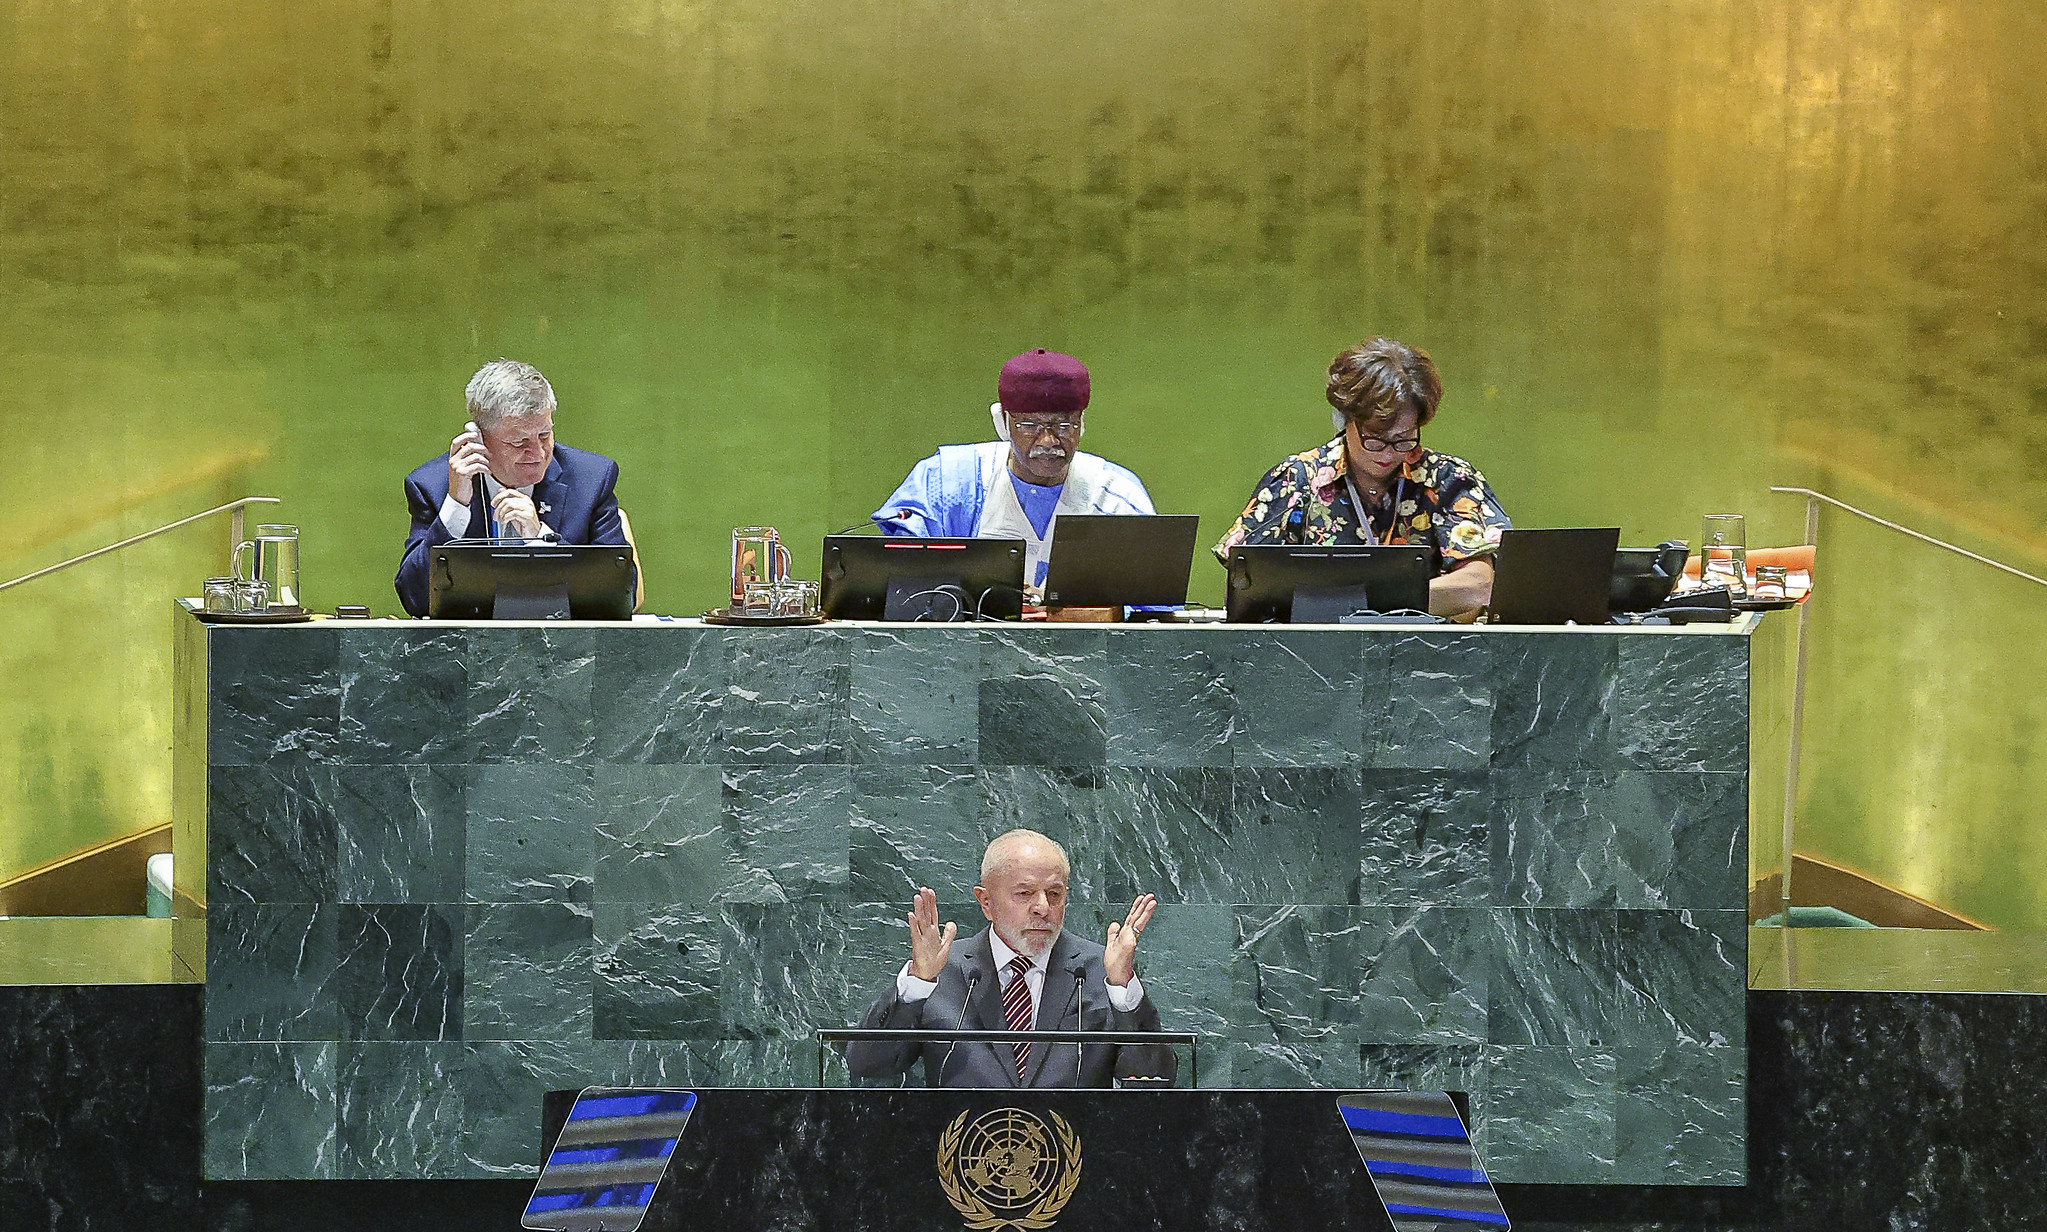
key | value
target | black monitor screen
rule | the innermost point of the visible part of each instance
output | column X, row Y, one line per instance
column 487, row 581
column 872, row 577
column 1266, row 580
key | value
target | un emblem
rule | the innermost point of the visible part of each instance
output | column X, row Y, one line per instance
column 1008, row 1169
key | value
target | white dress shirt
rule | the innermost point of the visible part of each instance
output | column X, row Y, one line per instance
column 1123, row 1000
column 455, row 514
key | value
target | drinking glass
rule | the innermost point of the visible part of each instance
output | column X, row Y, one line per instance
column 795, row 597
column 1723, row 553
column 252, row 596
column 220, row 594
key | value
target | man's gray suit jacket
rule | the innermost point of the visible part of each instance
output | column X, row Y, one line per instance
column 1075, row 998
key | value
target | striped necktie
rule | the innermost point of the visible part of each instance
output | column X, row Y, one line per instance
column 1016, row 1009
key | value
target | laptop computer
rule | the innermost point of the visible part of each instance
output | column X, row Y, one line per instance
column 1554, row 577
column 1120, row 560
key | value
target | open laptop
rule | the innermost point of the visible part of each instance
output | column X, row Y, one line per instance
column 1121, row 560
column 1554, row 577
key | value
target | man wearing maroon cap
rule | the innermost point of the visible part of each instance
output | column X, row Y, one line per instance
column 1016, row 486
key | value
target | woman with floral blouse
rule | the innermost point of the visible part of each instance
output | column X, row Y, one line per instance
column 1385, row 393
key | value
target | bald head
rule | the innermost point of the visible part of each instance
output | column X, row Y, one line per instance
column 1023, row 890
column 1015, row 847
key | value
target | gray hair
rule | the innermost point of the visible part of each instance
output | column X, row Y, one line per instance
column 507, row 389
column 999, row 853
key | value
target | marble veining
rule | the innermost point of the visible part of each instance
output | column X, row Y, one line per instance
column 451, row 868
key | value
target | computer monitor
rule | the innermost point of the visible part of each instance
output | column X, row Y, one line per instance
column 492, row 581
column 892, row 577
column 1303, row 584
column 1121, row 560
column 1554, row 577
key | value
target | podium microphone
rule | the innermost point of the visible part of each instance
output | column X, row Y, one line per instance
column 973, row 978
column 1079, row 973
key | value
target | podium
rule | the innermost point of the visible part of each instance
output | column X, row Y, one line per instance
column 871, row 1160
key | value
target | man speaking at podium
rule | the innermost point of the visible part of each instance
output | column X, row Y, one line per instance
column 504, row 477
column 1023, row 972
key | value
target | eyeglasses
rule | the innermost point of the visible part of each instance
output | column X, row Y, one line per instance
column 1033, row 428
column 1373, row 444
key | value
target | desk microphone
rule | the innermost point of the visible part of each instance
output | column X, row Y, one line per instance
column 1078, row 973
column 973, row 978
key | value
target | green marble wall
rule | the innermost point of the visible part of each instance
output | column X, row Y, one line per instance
column 772, row 252
column 448, row 869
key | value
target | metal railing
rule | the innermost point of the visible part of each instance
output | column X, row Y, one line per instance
column 233, row 508
column 1813, row 502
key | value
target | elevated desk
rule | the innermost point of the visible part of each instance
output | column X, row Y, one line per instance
column 450, row 867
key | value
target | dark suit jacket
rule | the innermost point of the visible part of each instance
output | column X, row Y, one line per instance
column 575, row 499
column 1076, row 998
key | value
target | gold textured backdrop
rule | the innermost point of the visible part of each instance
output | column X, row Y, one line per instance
column 770, row 253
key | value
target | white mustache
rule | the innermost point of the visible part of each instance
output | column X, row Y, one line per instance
column 1047, row 451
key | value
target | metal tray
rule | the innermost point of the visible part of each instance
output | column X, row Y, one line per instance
column 725, row 616
column 269, row 616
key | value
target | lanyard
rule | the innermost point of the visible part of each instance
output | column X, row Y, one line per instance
column 1365, row 511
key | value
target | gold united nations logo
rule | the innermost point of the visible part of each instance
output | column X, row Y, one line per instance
column 1008, row 1169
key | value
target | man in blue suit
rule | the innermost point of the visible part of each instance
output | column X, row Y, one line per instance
column 505, row 477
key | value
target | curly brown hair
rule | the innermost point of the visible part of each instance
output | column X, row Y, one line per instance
column 1372, row 382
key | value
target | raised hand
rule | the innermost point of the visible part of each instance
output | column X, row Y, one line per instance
column 467, row 458
column 1119, row 963
column 929, row 944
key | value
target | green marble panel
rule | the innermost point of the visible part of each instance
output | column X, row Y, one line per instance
column 1554, row 979
column 1683, row 977
column 421, row 1080
column 271, row 833
column 530, row 834
column 787, row 824
column 1295, row 974
column 270, row 972
column 1425, row 838
column 1066, row 804
column 659, row 972
column 1262, row 835
column 270, row 1111
column 1300, row 697
column 403, row 699
column 527, row 971
column 398, row 971
column 273, row 698
column 1550, row 1112
column 784, row 970
column 1681, row 1114
column 661, row 835
column 1551, row 700
column 1423, row 974
column 659, row 695
column 915, row 697
column 1166, row 700
column 1681, row 703
column 914, row 826
column 787, row 695
column 529, row 694
column 1437, row 711
column 401, row 833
